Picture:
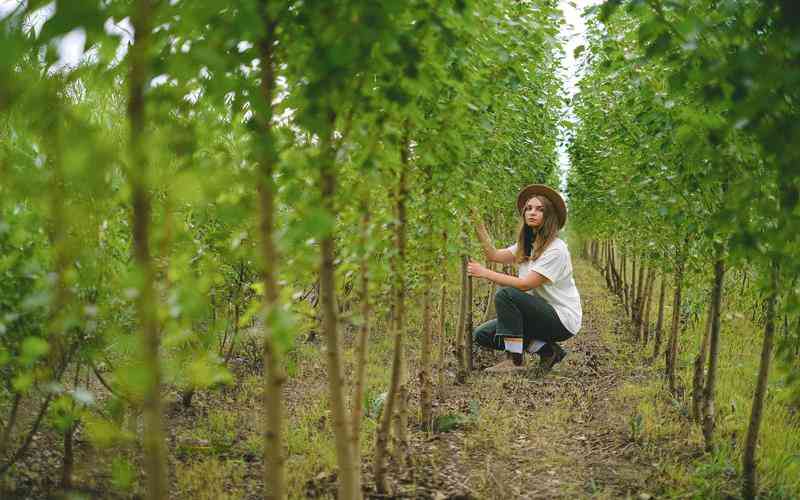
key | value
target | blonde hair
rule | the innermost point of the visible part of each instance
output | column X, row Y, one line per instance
column 540, row 239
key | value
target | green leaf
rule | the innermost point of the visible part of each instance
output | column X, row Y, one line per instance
column 33, row 348
column 449, row 422
column 318, row 223
column 22, row 382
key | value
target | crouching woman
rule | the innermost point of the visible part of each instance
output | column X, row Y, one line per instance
column 540, row 307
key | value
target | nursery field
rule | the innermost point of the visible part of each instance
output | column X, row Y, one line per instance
column 242, row 248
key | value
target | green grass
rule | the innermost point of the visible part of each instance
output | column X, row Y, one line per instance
column 210, row 478
column 718, row 474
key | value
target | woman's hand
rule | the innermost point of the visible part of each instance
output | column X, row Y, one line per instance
column 477, row 270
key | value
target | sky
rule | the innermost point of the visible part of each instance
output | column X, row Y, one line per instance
column 573, row 34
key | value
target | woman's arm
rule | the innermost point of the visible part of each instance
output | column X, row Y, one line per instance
column 532, row 280
column 502, row 256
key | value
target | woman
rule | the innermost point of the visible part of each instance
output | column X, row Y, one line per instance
column 550, row 311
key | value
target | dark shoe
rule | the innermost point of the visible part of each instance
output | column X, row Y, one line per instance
column 551, row 354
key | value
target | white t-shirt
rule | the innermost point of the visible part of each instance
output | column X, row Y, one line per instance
column 555, row 264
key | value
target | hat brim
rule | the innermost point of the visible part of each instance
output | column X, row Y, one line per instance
column 548, row 192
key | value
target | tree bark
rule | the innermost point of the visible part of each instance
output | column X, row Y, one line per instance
column 461, row 376
column 442, row 315
column 442, row 336
column 749, row 466
column 5, row 439
column 69, row 432
column 349, row 473
column 672, row 352
column 425, row 373
column 155, row 455
column 660, row 321
column 69, row 458
column 624, row 282
column 640, row 294
column 425, row 378
column 274, row 377
column 401, row 420
column 395, row 387
column 633, row 294
column 361, row 348
column 468, row 326
column 709, row 412
column 698, row 380
column 644, row 309
column 489, row 311
column 614, row 272
column 23, row 449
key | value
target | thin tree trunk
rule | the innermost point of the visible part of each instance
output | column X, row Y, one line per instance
column 608, row 272
column 274, row 377
column 672, row 352
column 23, row 449
column 401, row 421
column 442, row 338
column 468, row 326
column 67, row 464
column 349, row 473
column 489, row 311
column 235, row 333
column 640, row 293
column 395, row 387
column 614, row 272
column 462, row 315
column 442, row 314
column 698, row 380
column 660, row 321
column 749, row 465
column 644, row 309
column 633, row 294
column 382, row 437
column 624, row 295
column 709, row 412
column 154, row 452
column 361, row 347
column 69, row 457
column 10, row 423
column 425, row 378
column 425, row 373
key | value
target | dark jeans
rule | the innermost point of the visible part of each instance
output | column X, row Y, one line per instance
column 520, row 314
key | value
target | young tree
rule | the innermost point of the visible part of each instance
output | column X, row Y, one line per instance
column 139, row 178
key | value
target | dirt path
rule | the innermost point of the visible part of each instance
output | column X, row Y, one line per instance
column 567, row 435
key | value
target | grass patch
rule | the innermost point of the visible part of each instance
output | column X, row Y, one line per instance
column 210, row 479
column 717, row 475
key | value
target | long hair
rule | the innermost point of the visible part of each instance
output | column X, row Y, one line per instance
column 530, row 243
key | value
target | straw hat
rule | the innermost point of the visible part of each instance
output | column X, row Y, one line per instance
column 548, row 192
